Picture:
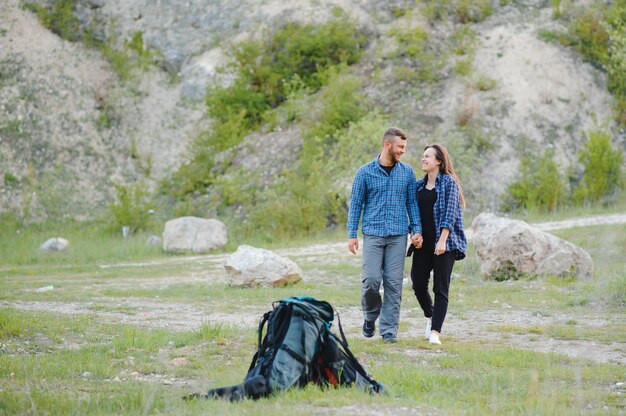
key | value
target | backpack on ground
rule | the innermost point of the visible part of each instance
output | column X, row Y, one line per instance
column 298, row 348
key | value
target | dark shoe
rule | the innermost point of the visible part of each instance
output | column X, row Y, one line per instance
column 391, row 339
column 369, row 327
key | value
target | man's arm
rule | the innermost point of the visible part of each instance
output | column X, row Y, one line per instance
column 354, row 212
column 412, row 207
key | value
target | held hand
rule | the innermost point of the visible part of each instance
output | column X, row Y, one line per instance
column 417, row 240
column 440, row 248
column 353, row 245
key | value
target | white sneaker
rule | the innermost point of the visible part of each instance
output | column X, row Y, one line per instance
column 429, row 323
column 434, row 339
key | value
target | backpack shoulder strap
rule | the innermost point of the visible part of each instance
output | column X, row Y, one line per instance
column 262, row 323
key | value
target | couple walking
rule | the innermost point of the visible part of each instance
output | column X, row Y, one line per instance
column 392, row 204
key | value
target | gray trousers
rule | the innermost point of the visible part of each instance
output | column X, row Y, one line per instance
column 383, row 262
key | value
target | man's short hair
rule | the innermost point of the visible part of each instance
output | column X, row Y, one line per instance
column 393, row 132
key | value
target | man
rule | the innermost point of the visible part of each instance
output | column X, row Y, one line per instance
column 383, row 192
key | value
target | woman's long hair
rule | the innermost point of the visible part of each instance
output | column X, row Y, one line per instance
column 443, row 156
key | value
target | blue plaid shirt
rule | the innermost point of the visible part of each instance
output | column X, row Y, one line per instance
column 448, row 212
column 384, row 200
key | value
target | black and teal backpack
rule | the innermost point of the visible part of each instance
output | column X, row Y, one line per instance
column 298, row 348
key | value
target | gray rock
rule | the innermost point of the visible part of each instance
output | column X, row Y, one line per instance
column 510, row 248
column 173, row 60
column 194, row 234
column 153, row 240
column 92, row 4
column 55, row 244
column 252, row 267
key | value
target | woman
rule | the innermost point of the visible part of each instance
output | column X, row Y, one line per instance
column 440, row 199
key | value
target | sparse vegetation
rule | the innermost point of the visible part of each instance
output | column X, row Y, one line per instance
column 598, row 33
column 268, row 71
column 309, row 188
column 294, row 65
column 556, row 8
column 58, row 17
column 463, row 40
column 462, row 11
column 483, row 83
column 418, row 59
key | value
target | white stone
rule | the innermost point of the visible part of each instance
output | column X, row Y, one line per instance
column 194, row 234
column 55, row 244
column 251, row 267
column 513, row 247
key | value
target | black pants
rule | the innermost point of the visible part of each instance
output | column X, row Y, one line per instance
column 425, row 260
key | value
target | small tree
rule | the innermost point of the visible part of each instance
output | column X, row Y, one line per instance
column 602, row 166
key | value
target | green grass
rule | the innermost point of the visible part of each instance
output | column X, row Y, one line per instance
column 89, row 363
column 124, row 373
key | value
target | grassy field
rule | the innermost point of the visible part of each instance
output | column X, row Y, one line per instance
column 114, row 326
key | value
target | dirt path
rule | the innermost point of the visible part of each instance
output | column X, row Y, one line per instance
column 177, row 316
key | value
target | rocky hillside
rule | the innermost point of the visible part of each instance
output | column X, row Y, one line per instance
column 70, row 127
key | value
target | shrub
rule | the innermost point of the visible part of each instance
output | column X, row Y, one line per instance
column 339, row 104
column 473, row 10
column 297, row 206
column 539, row 186
column 413, row 42
column 463, row 67
column 10, row 180
column 131, row 208
column 602, row 168
column 463, row 40
column 356, row 145
column 483, row 83
column 592, row 39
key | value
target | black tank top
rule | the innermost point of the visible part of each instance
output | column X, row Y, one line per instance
column 426, row 199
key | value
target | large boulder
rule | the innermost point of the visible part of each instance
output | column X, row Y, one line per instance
column 198, row 235
column 251, row 267
column 510, row 249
